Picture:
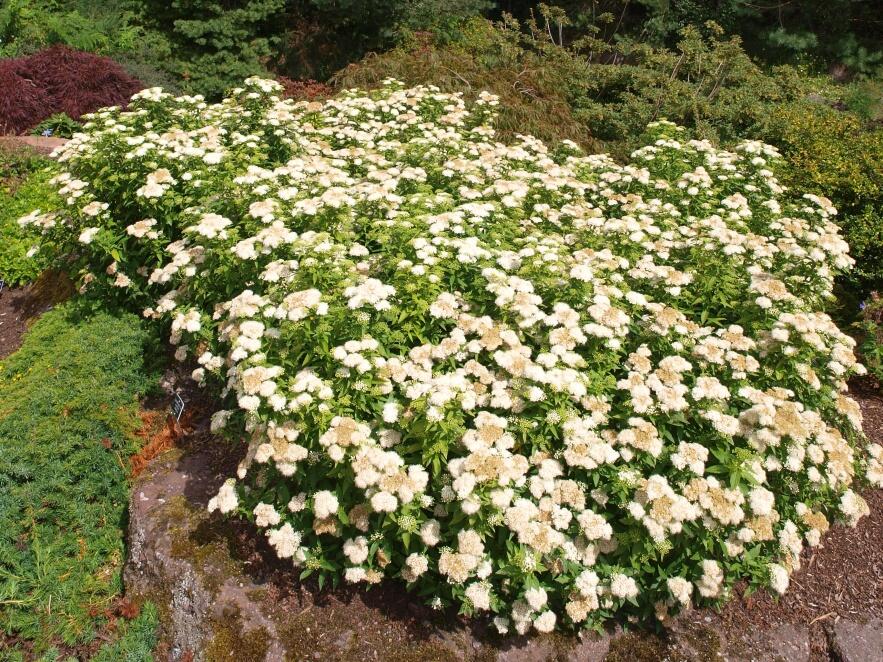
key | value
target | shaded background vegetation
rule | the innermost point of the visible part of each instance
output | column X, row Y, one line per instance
column 205, row 46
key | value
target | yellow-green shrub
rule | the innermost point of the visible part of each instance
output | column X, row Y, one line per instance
column 832, row 153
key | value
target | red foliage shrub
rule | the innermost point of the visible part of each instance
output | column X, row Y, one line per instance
column 79, row 82
column 59, row 80
column 22, row 102
column 304, row 90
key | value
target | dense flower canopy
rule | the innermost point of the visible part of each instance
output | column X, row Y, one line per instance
column 523, row 380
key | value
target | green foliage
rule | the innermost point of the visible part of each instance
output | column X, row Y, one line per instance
column 328, row 34
column 832, row 153
column 215, row 45
column 861, row 60
column 865, row 99
column 316, row 37
column 144, row 62
column 706, row 82
column 16, row 163
column 206, row 47
column 820, row 33
column 556, row 91
column 136, row 641
column 58, row 125
column 23, row 185
column 442, row 17
column 67, row 415
column 870, row 327
column 89, row 25
column 107, row 27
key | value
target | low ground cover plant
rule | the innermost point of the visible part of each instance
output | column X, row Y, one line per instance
column 136, row 641
column 67, row 417
column 23, row 187
column 522, row 380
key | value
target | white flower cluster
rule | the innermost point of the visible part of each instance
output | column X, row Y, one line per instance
column 527, row 381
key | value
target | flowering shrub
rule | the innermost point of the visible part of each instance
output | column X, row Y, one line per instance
column 524, row 381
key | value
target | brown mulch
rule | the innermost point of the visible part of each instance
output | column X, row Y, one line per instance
column 158, row 433
column 13, row 322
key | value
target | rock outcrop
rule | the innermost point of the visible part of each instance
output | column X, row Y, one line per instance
column 206, row 599
column 853, row 641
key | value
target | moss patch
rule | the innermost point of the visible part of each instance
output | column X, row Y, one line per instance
column 206, row 542
column 639, row 647
column 695, row 643
column 349, row 639
column 232, row 643
column 705, row 641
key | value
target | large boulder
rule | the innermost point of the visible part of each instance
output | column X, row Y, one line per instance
column 853, row 641
column 179, row 558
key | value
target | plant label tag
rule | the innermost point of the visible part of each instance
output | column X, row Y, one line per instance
column 2, row 284
column 177, row 407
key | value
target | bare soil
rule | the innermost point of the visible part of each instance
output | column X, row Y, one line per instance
column 13, row 322
column 19, row 306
